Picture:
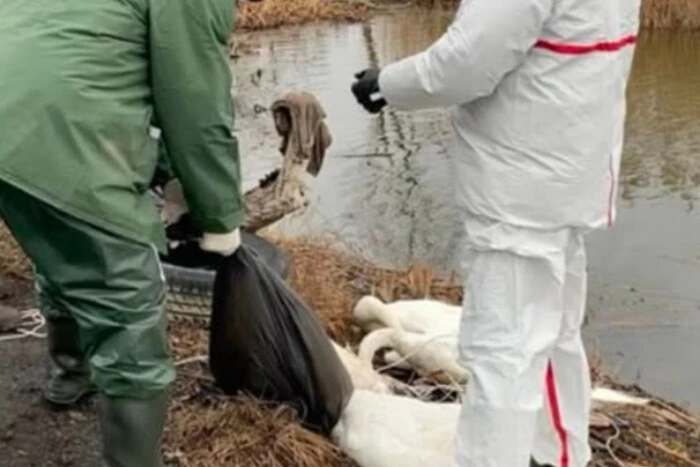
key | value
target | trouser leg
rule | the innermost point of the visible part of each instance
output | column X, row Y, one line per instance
column 70, row 375
column 132, row 429
column 511, row 320
column 562, row 437
column 114, row 290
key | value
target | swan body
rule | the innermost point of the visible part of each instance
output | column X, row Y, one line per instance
column 386, row 430
column 395, row 360
column 418, row 316
column 362, row 374
column 428, row 355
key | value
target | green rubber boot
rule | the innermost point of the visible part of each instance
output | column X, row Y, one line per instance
column 132, row 431
column 69, row 380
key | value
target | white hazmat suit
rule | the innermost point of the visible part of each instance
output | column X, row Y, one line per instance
column 539, row 89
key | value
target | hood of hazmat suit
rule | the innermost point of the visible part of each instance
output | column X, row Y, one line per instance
column 82, row 82
column 539, row 89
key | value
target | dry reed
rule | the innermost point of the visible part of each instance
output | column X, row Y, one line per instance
column 670, row 14
column 210, row 430
column 13, row 262
column 332, row 282
column 656, row 435
column 269, row 14
column 655, row 14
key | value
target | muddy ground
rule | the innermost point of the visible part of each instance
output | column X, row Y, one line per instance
column 31, row 433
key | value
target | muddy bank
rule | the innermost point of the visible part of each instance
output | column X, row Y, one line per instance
column 206, row 429
column 31, row 434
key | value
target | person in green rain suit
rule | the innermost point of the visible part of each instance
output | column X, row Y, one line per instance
column 80, row 83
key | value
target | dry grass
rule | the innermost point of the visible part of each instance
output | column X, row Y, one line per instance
column 655, row 14
column 671, row 14
column 332, row 282
column 269, row 14
column 206, row 430
column 657, row 435
column 12, row 261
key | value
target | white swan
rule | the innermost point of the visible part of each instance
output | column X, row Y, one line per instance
column 429, row 355
column 394, row 359
column 381, row 430
column 418, row 316
column 362, row 374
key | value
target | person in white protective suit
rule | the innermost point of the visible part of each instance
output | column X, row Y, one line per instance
column 539, row 88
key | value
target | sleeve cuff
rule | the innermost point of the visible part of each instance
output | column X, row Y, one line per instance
column 401, row 86
column 224, row 244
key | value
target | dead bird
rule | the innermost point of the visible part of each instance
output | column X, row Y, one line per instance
column 417, row 316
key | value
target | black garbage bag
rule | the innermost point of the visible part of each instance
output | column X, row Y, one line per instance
column 266, row 342
column 187, row 253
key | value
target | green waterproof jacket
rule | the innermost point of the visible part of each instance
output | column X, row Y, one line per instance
column 81, row 83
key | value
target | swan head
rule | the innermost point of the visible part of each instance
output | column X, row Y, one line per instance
column 373, row 313
column 368, row 308
column 376, row 341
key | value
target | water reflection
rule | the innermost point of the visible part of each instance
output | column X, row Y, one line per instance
column 397, row 206
column 663, row 143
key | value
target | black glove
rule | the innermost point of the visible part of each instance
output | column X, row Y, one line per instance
column 367, row 84
column 183, row 230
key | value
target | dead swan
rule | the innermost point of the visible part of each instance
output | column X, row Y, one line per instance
column 385, row 430
column 428, row 354
column 418, row 316
column 362, row 374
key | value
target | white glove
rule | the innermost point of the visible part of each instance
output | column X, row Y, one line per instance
column 223, row 244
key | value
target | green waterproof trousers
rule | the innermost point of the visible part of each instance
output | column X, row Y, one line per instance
column 109, row 289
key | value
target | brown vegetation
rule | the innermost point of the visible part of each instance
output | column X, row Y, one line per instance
column 206, row 428
column 12, row 261
column 655, row 14
column 331, row 282
column 276, row 13
column 671, row 14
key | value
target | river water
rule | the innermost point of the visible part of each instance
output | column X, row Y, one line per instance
column 383, row 194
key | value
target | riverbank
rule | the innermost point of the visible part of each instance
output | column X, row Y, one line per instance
column 206, row 429
column 655, row 14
